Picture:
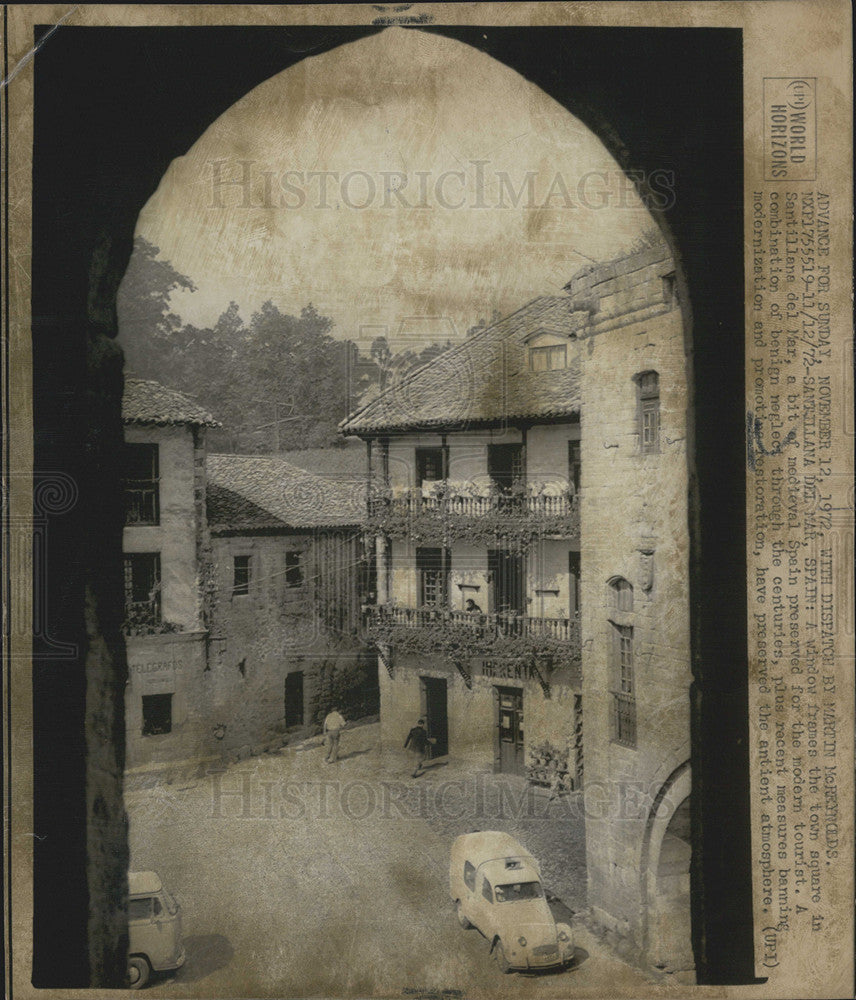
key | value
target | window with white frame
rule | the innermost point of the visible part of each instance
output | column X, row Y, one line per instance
column 621, row 667
column 241, row 570
column 648, row 411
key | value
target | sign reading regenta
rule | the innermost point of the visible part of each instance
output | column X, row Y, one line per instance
column 506, row 670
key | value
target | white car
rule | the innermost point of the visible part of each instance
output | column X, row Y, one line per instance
column 496, row 886
column 154, row 929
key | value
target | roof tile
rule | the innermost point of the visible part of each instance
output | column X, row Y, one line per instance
column 253, row 492
column 484, row 379
column 147, row 402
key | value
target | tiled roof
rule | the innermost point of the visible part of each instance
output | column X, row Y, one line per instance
column 337, row 463
column 251, row 492
column 484, row 379
column 146, row 402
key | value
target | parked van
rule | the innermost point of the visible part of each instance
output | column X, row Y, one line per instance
column 154, row 929
column 496, row 886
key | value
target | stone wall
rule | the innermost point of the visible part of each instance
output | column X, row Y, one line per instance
column 634, row 525
column 471, row 709
column 177, row 535
column 259, row 638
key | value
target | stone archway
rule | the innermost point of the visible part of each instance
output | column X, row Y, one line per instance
column 157, row 89
column 665, row 875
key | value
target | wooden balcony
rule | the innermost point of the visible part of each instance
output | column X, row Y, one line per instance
column 440, row 630
column 422, row 509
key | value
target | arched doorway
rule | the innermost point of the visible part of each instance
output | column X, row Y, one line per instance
column 667, row 854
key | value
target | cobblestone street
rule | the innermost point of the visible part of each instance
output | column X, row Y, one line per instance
column 298, row 878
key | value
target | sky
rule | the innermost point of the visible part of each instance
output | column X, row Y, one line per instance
column 405, row 184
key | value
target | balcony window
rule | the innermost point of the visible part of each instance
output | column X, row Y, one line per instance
column 505, row 466
column 142, row 589
column 433, row 574
column 574, row 583
column 429, row 465
column 141, row 484
column 574, row 466
column 507, row 575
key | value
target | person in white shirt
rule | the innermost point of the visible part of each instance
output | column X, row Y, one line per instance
column 333, row 725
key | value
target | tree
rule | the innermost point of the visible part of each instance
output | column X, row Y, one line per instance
column 144, row 300
column 278, row 382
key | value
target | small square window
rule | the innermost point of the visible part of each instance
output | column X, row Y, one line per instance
column 240, row 576
column 293, row 569
column 548, row 359
column 157, row 714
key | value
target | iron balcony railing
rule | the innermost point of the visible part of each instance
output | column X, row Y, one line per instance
column 418, row 501
column 482, row 625
column 142, row 615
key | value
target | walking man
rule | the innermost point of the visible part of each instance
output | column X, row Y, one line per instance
column 333, row 725
column 418, row 742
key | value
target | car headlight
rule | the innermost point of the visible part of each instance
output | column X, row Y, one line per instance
column 563, row 936
column 522, row 942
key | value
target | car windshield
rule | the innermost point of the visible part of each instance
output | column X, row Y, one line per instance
column 518, row 890
column 140, row 908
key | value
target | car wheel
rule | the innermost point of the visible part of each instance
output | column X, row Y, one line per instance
column 139, row 971
column 462, row 920
column 500, row 959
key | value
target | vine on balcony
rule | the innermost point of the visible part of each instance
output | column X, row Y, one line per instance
column 507, row 515
column 459, row 642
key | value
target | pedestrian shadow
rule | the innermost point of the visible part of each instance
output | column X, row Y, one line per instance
column 206, row 953
column 353, row 753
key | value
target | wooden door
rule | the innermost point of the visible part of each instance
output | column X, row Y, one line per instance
column 510, row 732
column 436, row 710
column 294, row 699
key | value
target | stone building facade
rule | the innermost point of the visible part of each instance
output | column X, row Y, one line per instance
column 287, row 576
column 164, row 541
column 539, row 469
column 244, row 580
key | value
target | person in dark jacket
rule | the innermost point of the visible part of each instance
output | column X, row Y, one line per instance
column 418, row 743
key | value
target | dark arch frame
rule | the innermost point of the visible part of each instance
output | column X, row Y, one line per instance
column 113, row 106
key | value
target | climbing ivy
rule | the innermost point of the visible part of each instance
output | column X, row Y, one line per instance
column 506, row 516
column 455, row 642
